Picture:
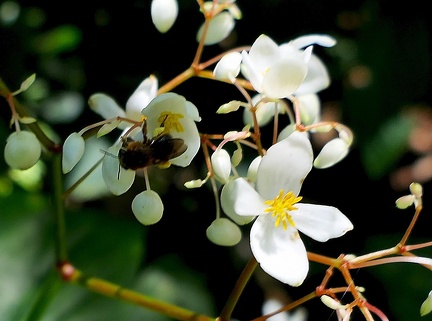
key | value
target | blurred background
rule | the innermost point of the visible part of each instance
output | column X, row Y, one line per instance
column 381, row 81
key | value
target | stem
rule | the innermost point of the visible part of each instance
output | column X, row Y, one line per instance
column 57, row 180
column 238, row 289
column 113, row 290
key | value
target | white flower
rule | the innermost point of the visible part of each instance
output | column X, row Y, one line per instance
column 274, row 236
column 171, row 111
column 281, row 71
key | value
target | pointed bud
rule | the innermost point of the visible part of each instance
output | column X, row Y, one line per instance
column 221, row 163
column 331, row 303
column 164, row 14
column 331, row 153
column 426, row 306
column 253, row 169
column 229, row 107
column 196, row 183
column 73, row 150
column 223, row 232
column 147, row 207
column 22, row 150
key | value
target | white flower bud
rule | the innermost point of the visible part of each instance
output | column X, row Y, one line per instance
column 416, row 189
column 224, row 232
column 22, row 150
column 147, row 207
column 221, row 163
column 331, row 303
column 73, row 150
column 229, row 107
column 229, row 66
column 196, row 183
column 219, row 28
column 405, row 201
column 164, row 13
column 331, row 153
column 310, row 108
column 426, row 306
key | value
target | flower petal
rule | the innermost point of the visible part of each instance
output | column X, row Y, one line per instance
column 228, row 66
column 229, row 197
column 284, row 77
column 117, row 179
column 307, row 40
column 105, row 106
column 317, row 77
column 285, row 166
column 281, row 253
column 141, row 97
column 73, row 150
column 221, row 163
column 245, row 199
column 320, row 222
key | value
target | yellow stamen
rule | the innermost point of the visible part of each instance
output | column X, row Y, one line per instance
column 170, row 122
column 281, row 206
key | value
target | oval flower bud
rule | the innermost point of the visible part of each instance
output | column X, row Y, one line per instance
column 221, row 164
column 164, row 14
column 147, row 207
column 331, row 153
column 219, row 28
column 22, row 150
column 223, row 232
column 73, row 150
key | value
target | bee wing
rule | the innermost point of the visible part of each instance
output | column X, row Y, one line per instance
column 178, row 147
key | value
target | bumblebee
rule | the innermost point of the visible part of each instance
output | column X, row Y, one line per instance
column 151, row 151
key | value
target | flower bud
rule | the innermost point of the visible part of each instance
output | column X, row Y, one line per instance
column 228, row 66
column 147, row 207
column 405, row 201
column 426, row 306
column 22, row 150
column 164, row 13
column 223, row 232
column 219, row 28
column 331, row 153
column 73, row 150
column 416, row 189
column 221, row 164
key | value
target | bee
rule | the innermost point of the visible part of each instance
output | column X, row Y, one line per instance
column 158, row 150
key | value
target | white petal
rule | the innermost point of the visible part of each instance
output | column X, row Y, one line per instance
column 105, row 106
column 192, row 111
column 164, row 13
column 285, row 166
column 147, row 207
column 73, row 150
column 117, row 179
column 228, row 199
column 265, row 112
column 281, row 253
column 310, row 108
column 221, row 164
column 320, row 222
column 245, row 199
column 228, row 66
column 251, row 72
column 288, row 130
column 141, row 97
column 305, row 41
column 219, row 28
column 253, row 169
column 264, row 53
column 270, row 306
column 317, row 77
column 426, row 306
column 331, row 153
column 284, row 77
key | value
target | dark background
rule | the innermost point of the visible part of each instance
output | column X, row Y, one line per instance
column 380, row 70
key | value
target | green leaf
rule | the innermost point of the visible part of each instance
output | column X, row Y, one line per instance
column 383, row 151
column 63, row 38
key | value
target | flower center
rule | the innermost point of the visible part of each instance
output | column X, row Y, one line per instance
column 170, row 122
column 280, row 207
